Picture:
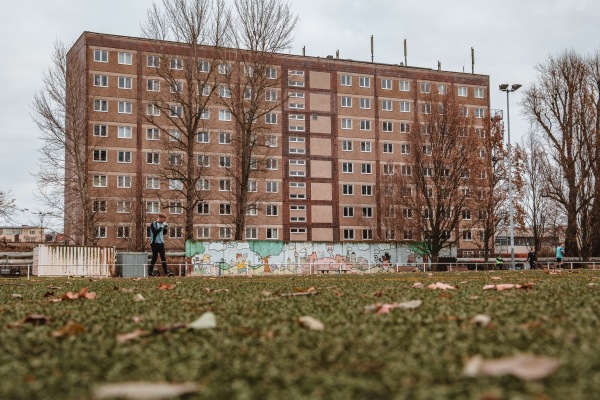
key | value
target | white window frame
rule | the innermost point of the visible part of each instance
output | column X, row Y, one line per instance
column 124, row 181
column 125, row 107
column 346, row 80
column 101, row 56
column 386, row 84
column 100, row 130
column 404, row 86
column 100, row 80
column 364, row 82
column 100, row 105
column 387, row 105
column 125, row 82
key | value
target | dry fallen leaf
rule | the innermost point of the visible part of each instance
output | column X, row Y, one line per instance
column 166, row 286
column 523, row 366
column 311, row 323
column 209, row 290
column 144, row 390
column 265, row 293
column 380, row 308
column 208, row 320
column 481, row 320
column 418, row 285
column 70, row 329
column 495, row 278
column 442, row 286
column 508, row 286
column 34, row 319
column 17, row 296
column 132, row 335
column 298, row 292
column 138, row 297
column 137, row 319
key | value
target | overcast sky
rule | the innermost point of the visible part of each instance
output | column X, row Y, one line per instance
column 509, row 37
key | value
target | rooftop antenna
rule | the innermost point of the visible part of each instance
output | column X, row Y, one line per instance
column 337, row 53
column 472, row 60
column 439, row 65
column 372, row 49
column 304, row 50
column 405, row 60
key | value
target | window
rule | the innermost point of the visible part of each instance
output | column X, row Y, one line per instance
column 99, row 206
column 101, row 105
column 152, row 183
column 101, row 80
column 466, row 215
column 100, row 155
column 125, row 107
column 406, row 170
column 271, row 164
column 248, row 70
column 367, row 234
column 203, row 184
column 347, row 168
column 152, row 207
column 153, row 61
column 427, row 149
column 176, row 63
column 224, row 138
column 124, row 58
column 478, row 93
column 297, row 207
column 225, row 161
column 271, row 118
column 365, row 125
column 366, row 168
column 271, row 73
column 404, row 127
column 100, row 130
column 366, row 190
column 348, row 189
column 123, row 181
column 272, row 233
column 348, row 234
column 297, row 230
column 296, row 106
column 404, row 86
column 297, row 117
column 405, row 106
column 298, row 95
column 386, row 105
column 206, row 89
column 386, row 84
column 388, row 147
column 348, row 212
column 123, row 156
column 428, row 171
column 405, row 149
column 271, row 140
column 408, row 234
column 252, row 186
column 175, row 232
column 466, row 235
column 175, row 184
column 203, row 232
column 426, row 108
column 204, row 66
column 175, row 135
column 442, row 89
column 296, row 83
column 203, row 137
column 224, row 232
column 224, row 69
column 224, row 91
column 364, row 82
column 224, row 115
column 367, row 212
column 205, row 114
column 203, row 161
column 125, row 82
column 365, row 104
column 388, row 126
column 123, row 206
column 426, row 129
column 101, row 56
column 463, row 91
column 425, row 87
column 152, row 134
column 101, row 232
column 479, row 112
column 152, row 158
column 346, row 123
column 300, row 185
column 252, row 210
column 176, row 87
column 271, row 95
column 346, row 80
column 365, row 147
column 176, row 159
column 224, row 209
column 272, row 210
column 296, row 72
column 153, row 110
column 346, row 101
column 122, row 232
column 272, row 187
column 251, row 233
column 346, row 145
column 388, row 169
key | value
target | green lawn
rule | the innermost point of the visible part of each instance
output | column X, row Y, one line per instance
column 259, row 350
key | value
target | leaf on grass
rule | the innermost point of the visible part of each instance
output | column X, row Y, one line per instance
column 132, row 335
column 495, row 278
column 380, row 308
column 137, row 319
column 208, row 320
column 34, row 319
column 591, row 284
column 138, row 297
column 166, row 286
column 508, row 286
column 17, row 296
column 442, row 286
column 311, row 323
column 209, row 290
column 51, row 287
column 144, row 390
column 128, row 290
column 70, row 329
column 523, row 366
column 300, row 292
column 265, row 293
column 481, row 320
column 418, row 285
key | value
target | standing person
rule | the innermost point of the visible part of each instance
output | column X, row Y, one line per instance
column 531, row 257
column 499, row 263
column 560, row 253
column 158, row 229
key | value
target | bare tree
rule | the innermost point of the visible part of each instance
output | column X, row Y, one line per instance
column 7, row 205
column 433, row 192
column 60, row 111
column 251, row 93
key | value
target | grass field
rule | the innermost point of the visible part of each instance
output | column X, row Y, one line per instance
column 259, row 350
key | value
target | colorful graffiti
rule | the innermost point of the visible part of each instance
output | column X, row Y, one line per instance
column 264, row 257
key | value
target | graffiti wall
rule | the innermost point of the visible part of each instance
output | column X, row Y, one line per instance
column 264, row 257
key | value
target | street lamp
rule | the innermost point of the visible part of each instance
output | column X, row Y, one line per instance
column 513, row 88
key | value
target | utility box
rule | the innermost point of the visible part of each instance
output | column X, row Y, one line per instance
column 132, row 265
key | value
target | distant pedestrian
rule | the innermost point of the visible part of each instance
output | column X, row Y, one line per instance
column 158, row 229
column 560, row 253
column 499, row 262
column 532, row 258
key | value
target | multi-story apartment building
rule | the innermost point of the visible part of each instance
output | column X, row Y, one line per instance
column 23, row 233
column 341, row 123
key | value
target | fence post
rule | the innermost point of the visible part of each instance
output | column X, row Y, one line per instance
column 369, row 267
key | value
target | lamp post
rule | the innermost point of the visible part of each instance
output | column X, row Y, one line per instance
column 513, row 88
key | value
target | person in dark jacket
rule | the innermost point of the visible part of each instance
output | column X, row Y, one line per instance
column 532, row 258
column 158, row 229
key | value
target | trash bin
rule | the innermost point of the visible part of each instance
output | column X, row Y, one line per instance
column 132, row 265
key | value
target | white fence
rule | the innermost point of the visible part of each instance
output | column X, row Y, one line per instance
column 74, row 261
